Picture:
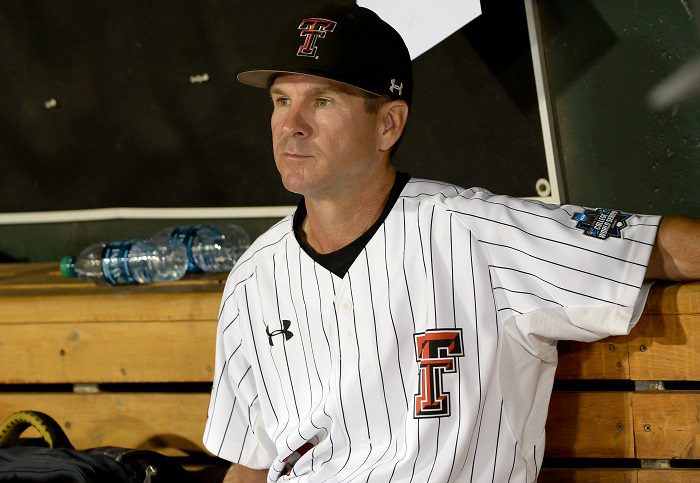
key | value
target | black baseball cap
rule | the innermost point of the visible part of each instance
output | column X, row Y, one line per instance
column 345, row 43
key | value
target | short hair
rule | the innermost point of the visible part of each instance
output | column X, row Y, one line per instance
column 374, row 102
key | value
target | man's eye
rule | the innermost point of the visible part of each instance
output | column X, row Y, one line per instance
column 280, row 101
column 322, row 102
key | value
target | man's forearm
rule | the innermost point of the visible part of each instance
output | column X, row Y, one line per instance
column 676, row 253
column 243, row 474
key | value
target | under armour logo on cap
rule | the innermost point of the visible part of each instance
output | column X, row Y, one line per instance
column 312, row 29
column 393, row 87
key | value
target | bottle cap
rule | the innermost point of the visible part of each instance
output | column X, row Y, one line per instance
column 67, row 266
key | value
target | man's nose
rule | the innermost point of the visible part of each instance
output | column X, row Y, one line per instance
column 297, row 122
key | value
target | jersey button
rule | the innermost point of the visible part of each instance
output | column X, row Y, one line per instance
column 347, row 306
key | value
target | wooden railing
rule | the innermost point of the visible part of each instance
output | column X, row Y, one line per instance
column 132, row 366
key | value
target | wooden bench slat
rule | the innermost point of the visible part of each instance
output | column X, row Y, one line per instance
column 131, row 420
column 666, row 424
column 120, row 305
column 590, row 425
column 595, row 475
column 668, row 476
column 665, row 347
column 98, row 352
column 673, row 298
column 605, row 359
column 587, row 475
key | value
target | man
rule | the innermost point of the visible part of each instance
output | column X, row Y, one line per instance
column 396, row 329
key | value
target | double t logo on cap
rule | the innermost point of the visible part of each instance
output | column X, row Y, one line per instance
column 311, row 30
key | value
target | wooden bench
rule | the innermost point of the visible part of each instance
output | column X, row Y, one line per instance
column 132, row 366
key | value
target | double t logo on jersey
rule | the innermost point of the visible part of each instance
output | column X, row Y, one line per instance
column 312, row 29
column 436, row 352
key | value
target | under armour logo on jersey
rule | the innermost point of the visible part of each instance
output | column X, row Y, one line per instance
column 312, row 29
column 393, row 87
column 436, row 352
column 284, row 330
column 601, row 223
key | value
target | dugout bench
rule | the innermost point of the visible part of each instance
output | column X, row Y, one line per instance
column 132, row 366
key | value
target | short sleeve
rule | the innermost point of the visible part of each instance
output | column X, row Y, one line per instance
column 565, row 272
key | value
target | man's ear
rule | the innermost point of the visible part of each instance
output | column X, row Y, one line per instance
column 392, row 121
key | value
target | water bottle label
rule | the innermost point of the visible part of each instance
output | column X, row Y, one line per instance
column 115, row 266
column 186, row 235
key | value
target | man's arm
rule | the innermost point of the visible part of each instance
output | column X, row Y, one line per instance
column 243, row 474
column 676, row 253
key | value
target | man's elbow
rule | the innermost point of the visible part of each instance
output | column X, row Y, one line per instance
column 676, row 252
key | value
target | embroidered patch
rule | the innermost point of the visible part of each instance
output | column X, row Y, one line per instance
column 601, row 223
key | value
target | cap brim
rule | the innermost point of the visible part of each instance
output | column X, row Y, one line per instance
column 261, row 77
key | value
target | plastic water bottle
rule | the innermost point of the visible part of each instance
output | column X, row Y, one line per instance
column 210, row 248
column 129, row 262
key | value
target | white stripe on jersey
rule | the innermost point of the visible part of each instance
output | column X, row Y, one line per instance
column 433, row 358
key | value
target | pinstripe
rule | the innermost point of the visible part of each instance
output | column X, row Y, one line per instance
column 432, row 268
column 435, row 321
column 393, row 323
column 223, row 369
column 454, row 324
column 452, row 277
column 413, row 321
column 566, row 267
column 437, row 449
column 511, row 308
column 420, row 237
column 328, row 343
column 359, row 376
column 245, row 438
column 379, row 361
column 528, row 293
column 555, row 285
column 284, row 342
column 226, row 299
column 228, row 422
column 231, row 323
column 515, row 453
column 398, row 345
column 212, row 411
column 340, row 383
column 257, row 355
column 476, row 448
column 405, row 276
column 250, row 406
column 477, row 352
column 495, row 456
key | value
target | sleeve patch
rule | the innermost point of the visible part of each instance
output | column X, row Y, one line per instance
column 601, row 223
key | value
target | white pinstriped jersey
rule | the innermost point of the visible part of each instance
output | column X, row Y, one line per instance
column 433, row 359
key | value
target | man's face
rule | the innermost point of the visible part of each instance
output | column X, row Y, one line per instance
column 324, row 141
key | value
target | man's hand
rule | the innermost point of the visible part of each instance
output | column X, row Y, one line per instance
column 676, row 253
column 243, row 474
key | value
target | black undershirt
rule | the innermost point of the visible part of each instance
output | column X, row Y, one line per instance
column 340, row 260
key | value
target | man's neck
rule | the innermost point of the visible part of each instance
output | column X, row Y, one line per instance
column 331, row 224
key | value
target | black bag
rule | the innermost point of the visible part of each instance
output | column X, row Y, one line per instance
column 29, row 460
